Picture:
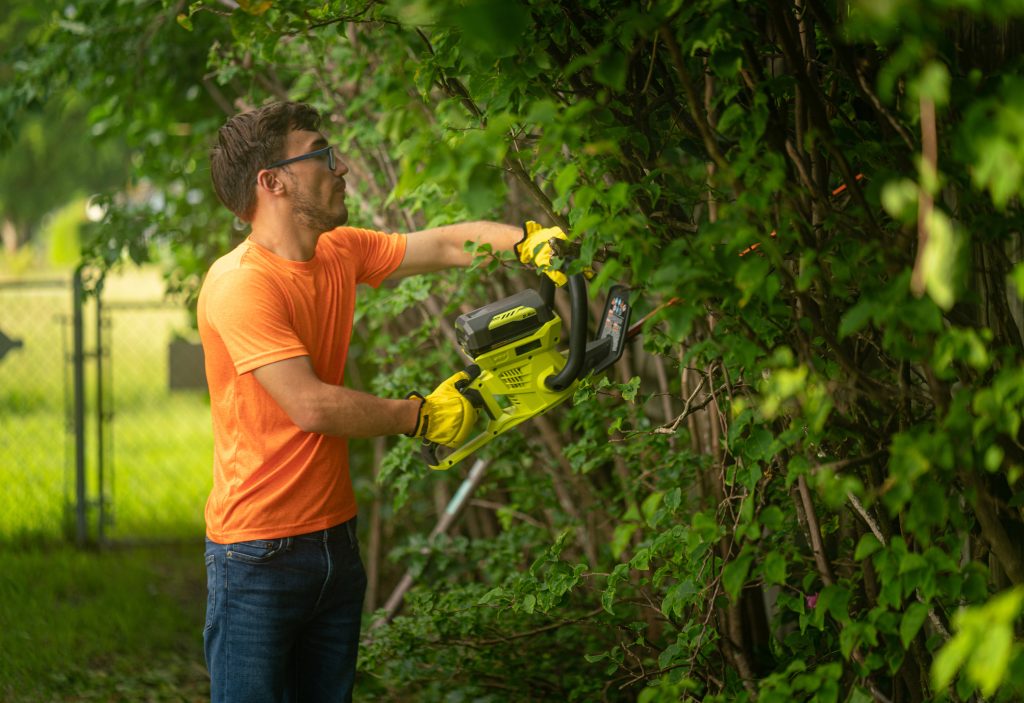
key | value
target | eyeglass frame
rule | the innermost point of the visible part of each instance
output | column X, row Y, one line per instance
column 332, row 162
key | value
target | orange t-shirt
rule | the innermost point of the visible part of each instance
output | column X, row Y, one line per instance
column 271, row 479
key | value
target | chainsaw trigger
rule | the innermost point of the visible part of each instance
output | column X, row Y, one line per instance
column 476, row 399
column 429, row 452
column 472, row 373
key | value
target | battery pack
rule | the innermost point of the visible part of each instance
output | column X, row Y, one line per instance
column 501, row 322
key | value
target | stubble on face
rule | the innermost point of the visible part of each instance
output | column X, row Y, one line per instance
column 314, row 215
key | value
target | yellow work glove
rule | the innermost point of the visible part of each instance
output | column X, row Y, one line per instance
column 446, row 416
column 534, row 248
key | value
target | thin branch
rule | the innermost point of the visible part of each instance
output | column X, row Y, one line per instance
column 529, row 633
column 492, row 505
column 925, row 200
column 693, row 102
column 850, row 63
column 671, row 429
column 814, row 531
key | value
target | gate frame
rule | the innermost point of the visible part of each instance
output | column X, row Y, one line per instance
column 79, row 357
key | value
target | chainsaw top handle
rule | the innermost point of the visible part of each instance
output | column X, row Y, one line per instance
column 577, row 329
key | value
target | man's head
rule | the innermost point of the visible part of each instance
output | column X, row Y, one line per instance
column 251, row 141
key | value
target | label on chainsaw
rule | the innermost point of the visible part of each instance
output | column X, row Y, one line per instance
column 515, row 315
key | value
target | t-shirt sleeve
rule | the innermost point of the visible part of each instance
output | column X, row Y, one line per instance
column 253, row 319
column 374, row 255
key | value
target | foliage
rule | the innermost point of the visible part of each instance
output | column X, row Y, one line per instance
column 806, row 484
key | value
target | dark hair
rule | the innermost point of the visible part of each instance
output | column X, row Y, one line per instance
column 248, row 142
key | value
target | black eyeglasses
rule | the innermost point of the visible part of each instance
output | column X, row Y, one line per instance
column 327, row 151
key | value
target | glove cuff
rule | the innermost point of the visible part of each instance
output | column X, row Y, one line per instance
column 527, row 230
column 422, row 420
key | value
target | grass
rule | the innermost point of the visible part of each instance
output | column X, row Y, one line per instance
column 112, row 626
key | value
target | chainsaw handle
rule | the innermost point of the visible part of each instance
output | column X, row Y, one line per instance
column 430, row 451
column 577, row 330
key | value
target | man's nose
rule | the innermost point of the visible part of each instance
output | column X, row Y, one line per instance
column 340, row 168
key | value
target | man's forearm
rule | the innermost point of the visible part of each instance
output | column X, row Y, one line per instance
column 500, row 237
column 343, row 412
column 444, row 247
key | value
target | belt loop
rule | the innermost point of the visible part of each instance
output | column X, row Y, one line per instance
column 353, row 539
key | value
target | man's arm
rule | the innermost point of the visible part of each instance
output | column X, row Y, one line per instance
column 315, row 406
column 439, row 248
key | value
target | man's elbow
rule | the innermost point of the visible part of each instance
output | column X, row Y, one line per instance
column 309, row 418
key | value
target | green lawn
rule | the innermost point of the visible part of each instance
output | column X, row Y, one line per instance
column 111, row 626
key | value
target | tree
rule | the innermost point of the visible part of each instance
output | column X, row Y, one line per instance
column 806, row 484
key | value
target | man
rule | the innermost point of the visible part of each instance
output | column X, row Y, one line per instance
column 285, row 580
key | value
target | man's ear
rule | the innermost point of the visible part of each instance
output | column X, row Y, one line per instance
column 269, row 181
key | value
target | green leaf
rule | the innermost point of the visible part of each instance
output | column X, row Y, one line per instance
column 857, row 317
column 255, row 7
column 734, row 574
column 933, row 83
column 608, row 600
column 677, row 597
column 491, row 595
column 939, row 260
column 991, row 658
column 984, row 639
column 650, row 505
column 912, row 621
column 948, row 661
column 774, row 568
column 611, row 69
column 867, row 546
column 641, row 561
column 859, row 695
column 566, row 178
column 899, row 198
column 621, row 537
column 1016, row 279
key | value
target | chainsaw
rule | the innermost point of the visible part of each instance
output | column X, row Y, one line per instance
column 518, row 371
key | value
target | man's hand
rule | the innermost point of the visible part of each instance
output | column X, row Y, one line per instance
column 445, row 416
column 534, row 248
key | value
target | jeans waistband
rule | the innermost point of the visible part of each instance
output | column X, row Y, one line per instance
column 345, row 530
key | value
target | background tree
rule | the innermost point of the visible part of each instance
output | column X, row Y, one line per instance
column 805, row 483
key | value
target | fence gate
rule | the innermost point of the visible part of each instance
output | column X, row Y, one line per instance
column 158, row 465
column 104, row 417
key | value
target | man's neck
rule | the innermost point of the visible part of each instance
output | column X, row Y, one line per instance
column 289, row 240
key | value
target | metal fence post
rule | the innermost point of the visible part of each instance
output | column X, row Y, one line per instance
column 101, row 419
column 78, row 361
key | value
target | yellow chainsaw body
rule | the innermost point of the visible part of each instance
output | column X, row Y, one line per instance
column 511, row 387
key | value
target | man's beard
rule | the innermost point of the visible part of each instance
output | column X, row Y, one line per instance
column 315, row 216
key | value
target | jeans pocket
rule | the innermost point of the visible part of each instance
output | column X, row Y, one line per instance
column 258, row 551
column 211, row 591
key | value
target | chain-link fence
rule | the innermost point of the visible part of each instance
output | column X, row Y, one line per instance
column 161, row 445
column 34, row 438
column 110, row 437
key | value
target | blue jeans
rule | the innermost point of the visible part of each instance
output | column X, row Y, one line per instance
column 283, row 616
